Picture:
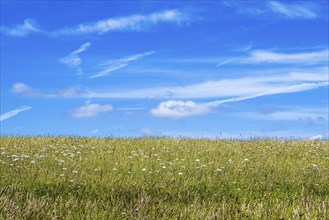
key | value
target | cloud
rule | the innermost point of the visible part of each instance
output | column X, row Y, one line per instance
column 292, row 10
column 316, row 137
column 23, row 89
column 265, row 56
column 90, row 110
column 179, row 109
column 303, row 114
column 274, row 83
column 113, row 65
column 70, row 92
column 73, row 60
column 149, row 132
column 14, row 112
column 95, row 131
column 29, row 26
column 129, row 23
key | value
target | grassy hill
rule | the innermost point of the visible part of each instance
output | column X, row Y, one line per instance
column 85, row 178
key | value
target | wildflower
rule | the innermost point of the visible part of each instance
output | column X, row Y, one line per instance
column 64, row 168
column 197, row 160
column 163, row 167
column 114, row 169
column 62, row 175
column 219, row 170
column 74, row 171
column 315, row 166
column 246, row 159
column 144, row 169
column 180, row 174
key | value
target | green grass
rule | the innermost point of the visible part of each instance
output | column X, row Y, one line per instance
column 81, row 178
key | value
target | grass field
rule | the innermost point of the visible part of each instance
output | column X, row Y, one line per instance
column 81, row 178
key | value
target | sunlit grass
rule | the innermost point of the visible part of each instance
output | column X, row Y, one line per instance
column 81, row 178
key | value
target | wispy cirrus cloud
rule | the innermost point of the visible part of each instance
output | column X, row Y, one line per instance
column 180, row 109
column 138, row 22
column 113, row 65
column 292, row 10
column 29, row 26
column 90, row 110
column 266, row 56
column 303, row 114
column 129, row 23
column 23, row 89
column 286, row 9
column 14, row 112
column 276, row 81
column 73, row 60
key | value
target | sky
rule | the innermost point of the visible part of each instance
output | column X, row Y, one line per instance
column 198, row 69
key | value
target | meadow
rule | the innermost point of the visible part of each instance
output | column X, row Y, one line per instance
column 162, row 178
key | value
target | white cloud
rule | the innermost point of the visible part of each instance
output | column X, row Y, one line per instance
column 129, row 23
column 14, row 112
column 149, row 132
column 90, row 110
column 95, row 131
column 316, row 137
column 265, row 56
column 309, row 115
column 275, row 83
column 179, row 109
column 70, row 92
column 279, row 90
column 23, row 89
column 29, row 26
column 292, row 10
column 112, row 65
column 73, row 60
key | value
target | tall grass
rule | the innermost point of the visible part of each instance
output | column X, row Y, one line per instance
column 85, row 178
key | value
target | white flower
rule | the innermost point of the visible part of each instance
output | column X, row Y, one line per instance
column 114, row 169
column 315, row 166
column 62, row 175
column 144, row 169
column 197, row 160
column 33, row 162
column 180, row 174
column 74, row 171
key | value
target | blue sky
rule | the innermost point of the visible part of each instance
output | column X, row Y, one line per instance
column 222, row 69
